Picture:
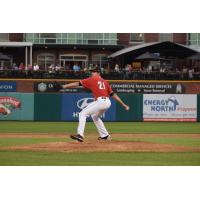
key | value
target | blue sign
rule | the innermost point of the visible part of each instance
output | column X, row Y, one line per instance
column 72, row 104
column 6, row 86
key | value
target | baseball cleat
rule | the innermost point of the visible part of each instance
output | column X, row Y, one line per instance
column 79, row 138
column 108, row 137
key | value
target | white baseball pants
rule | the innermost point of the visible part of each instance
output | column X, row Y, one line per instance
column 95, row 110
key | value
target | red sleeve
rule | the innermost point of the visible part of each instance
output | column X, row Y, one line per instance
column 86, row 82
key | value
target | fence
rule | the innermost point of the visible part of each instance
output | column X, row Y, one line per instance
column 65, row 107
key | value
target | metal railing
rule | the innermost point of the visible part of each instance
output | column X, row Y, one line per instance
column 73, row 41
column 108, row 74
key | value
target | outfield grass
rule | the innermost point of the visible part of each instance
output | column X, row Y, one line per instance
column 190, row 142
column 25, row 141
column 9, row 158
column 113, row 127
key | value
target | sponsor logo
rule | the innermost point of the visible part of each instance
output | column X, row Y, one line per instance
column 8, row 105
column 83, row 103
column 163, row 105
column 7, row 86
column 42, row 87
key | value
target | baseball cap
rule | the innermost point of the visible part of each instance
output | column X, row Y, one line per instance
column 94, row 69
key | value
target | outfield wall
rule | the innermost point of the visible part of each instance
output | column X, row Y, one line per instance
column 66, row 106
column 34, row 99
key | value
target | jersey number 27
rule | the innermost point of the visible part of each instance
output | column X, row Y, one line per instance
column 101, row 85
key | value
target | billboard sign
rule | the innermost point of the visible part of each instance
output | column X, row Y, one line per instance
column 16, row 106
column 7, row 86
column 8, row 105
column 46, row 87
column 149, row 88
column 73, row 104
column 169, row 107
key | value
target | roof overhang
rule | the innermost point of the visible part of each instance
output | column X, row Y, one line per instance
column 167, row 47
column 16, row 44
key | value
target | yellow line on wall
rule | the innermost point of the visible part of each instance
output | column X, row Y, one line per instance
column 120, row 81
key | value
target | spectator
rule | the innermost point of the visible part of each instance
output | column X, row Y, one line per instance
column 15, row 67
column 149, row 68
column 36, row 67
column 76, row 68
column 117, row 69
column 51, row 69
column 128, row 71
column 190, row 73
column 58, row 68
column 30, row 67
column 184, row 73
column 21, row 66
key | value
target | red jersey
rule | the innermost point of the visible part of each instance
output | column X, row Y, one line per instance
column 97, row 85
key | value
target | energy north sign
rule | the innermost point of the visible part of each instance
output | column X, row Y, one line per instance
column 169, row 107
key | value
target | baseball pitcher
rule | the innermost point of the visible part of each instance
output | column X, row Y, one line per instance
column 101, row 91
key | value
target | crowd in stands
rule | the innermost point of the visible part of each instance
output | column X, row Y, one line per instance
column 127, row 72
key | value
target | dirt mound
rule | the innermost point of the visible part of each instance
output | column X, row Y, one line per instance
column 103, row 146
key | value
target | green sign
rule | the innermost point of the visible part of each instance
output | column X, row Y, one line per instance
column 47, row 107
column 16, row 106
column 135, row 101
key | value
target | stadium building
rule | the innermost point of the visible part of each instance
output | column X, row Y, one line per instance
column 80, row 48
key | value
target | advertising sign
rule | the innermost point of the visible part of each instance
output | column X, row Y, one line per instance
column 45, row 87
column 169, row 107
column 72, row 104
column 149, row 88
column 6, row 86
column 16, row 106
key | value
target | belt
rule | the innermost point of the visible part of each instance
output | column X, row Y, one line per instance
column 102, row 97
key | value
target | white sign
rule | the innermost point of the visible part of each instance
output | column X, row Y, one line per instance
column 169, row 107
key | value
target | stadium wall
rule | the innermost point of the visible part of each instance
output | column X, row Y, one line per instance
column 16, row 103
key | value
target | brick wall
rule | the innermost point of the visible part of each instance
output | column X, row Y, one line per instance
column 180, row 38
column 123, row 38
column 16, row 37
column 151, row 37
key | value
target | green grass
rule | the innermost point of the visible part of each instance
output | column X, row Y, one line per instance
column 113, row 127
column 9, row 158
column 191, row 142
column 25, row 141
column 41, row 158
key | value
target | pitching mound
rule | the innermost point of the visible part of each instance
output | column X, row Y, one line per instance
column 103, row 146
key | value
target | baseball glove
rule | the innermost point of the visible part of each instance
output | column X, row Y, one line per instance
column 57, row 86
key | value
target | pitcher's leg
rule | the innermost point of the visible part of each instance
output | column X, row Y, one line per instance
column 91, row 108
column 99, row 124
column 81, row 124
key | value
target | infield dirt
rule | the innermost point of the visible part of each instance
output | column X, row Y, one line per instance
column 91, row 144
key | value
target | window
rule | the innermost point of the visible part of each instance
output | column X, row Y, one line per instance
column 100, row 59
column 48, row 38
column 194, row 39
column 137, row 37
column 92, row 41
column 72, row 38
column 71, row 59
column 45, row 60
column 4, row 37
column 71, row 35
column 48, row 35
